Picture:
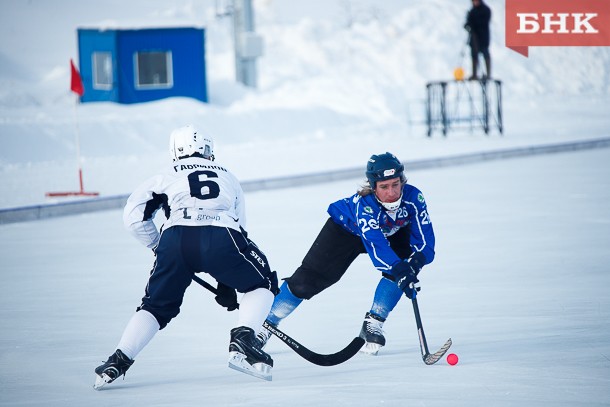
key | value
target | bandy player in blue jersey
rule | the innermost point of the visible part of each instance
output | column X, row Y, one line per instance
column 387, row 219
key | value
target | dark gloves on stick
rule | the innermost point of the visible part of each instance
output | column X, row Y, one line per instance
column 226, row 297
column 406, row 273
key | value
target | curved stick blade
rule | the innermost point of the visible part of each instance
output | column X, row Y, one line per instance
column 432, row 358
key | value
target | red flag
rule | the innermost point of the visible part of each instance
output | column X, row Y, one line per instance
column 76, row 83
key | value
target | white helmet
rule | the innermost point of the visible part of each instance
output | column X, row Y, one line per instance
column 186, row 141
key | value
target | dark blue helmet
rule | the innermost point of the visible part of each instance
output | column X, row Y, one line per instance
column 382, row 167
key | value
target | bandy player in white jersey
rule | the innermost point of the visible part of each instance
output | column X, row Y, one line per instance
column 205, row 231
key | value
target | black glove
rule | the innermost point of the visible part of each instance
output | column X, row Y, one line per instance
column 406, row 273
column 226, row 297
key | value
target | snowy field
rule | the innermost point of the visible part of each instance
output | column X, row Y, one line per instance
column 339, row 81
column 521, row 275
column 519, row 283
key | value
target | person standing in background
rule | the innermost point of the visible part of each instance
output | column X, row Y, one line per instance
column 477, row 24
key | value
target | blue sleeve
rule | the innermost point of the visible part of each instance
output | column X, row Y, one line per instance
column 342, row 212
column 368, row 212
column 422, row 233
column 360, row 216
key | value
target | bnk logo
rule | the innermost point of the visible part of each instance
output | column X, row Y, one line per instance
column 556, row 23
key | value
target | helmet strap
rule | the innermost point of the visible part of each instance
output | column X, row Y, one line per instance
column 390, row 206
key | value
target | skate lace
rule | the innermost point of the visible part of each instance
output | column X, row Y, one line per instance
column 263, row 336
column 374, row 327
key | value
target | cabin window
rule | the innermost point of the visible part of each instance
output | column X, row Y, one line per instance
column 102, row 70
column 153, row 69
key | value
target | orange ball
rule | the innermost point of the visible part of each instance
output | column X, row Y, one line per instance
column 458, row 74
column 452, row 359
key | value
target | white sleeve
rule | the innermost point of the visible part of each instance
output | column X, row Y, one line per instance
column 240, row 208
column 140, row 211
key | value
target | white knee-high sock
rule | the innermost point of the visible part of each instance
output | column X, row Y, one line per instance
column 254, row 308
column 139, row 331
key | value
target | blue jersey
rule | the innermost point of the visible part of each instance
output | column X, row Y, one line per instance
column 364, row 216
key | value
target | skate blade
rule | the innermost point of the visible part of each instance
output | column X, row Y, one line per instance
column 101, row 381
column 370, row 348
column 238, row 362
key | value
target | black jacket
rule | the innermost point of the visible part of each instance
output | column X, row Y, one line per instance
column 477, row 23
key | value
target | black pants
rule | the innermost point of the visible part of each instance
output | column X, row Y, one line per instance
column 331, row 254
column 475, row 49
column 225, row 254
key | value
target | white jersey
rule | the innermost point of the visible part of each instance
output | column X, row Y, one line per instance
column 193, row 192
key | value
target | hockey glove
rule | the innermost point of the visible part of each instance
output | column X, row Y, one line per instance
column 226, row 297
column 406, row 273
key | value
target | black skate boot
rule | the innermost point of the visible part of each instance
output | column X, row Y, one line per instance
column 116, row 365
column 372, row 333
column 246, row 355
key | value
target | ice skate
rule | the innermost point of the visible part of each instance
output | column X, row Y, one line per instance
column 246, row 355
column 372, row 333
column 116, row 365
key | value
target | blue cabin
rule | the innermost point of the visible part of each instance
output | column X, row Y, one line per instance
column 140, row 65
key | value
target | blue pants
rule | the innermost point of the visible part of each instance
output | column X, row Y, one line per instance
column 225, row 254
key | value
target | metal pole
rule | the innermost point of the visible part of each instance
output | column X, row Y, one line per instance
column 77, row 145
column 444, row 108
column 429, row 108
column 243, row 22
column 485, row 106
column 499, row 96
